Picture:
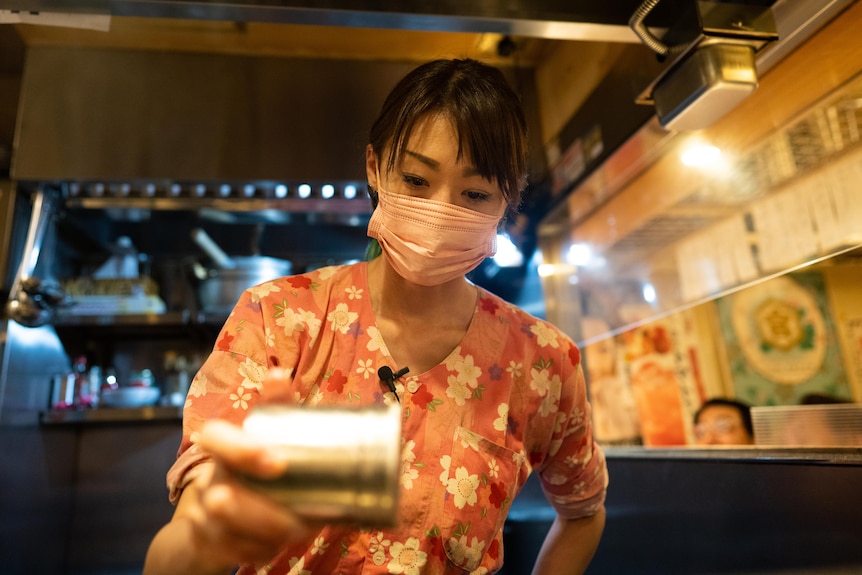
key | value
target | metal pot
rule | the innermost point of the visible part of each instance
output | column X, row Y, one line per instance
column 221, row 289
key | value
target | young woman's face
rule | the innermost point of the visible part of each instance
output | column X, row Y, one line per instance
column 430, row 168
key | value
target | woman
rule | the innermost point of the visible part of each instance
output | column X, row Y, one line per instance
column 491, row 393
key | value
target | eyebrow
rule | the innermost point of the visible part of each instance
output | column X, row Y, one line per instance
column 469, row 171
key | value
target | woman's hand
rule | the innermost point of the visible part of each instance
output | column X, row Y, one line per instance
column 219, row 522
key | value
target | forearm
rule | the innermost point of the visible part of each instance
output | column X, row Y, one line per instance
column 172, row 551
column 570, row 545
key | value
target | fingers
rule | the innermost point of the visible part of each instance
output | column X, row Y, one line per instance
column 239, row 450
column 276, row 386
column 231, row 524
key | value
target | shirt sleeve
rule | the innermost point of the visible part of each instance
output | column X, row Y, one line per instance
column 227, row 385
column 574, row 475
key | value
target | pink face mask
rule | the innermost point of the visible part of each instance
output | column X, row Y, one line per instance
column 429, row 242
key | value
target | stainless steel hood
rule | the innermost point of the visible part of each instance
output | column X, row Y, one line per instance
column 89, row 114
column 561, row 19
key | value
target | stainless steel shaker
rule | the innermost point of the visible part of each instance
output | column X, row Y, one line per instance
column 343, row 464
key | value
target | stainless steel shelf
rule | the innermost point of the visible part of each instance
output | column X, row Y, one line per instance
column 112, row 415
column 183, row 317
column 167, row 319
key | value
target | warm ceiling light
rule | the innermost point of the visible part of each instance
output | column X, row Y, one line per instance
column 701, row 156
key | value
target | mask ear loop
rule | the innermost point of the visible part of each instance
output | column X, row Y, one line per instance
column 373, row 250
column 372, row 193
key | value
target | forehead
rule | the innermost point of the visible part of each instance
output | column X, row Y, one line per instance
column 719, row 412
column 435, row 131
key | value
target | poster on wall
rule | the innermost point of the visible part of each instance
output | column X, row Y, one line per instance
column 662, row 367
column 645, row 384
column 781, row 341
column 615, row 416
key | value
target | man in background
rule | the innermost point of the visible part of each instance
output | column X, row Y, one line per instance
column 722, row 421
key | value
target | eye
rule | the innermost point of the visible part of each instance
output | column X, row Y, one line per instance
column 477, row 196
column 414, row 181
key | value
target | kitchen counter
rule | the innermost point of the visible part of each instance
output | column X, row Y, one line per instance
column 806, row 455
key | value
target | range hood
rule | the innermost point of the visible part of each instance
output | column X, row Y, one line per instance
column 91, row 115
column 161, row 119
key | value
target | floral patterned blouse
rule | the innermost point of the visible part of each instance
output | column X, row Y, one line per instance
column 510, row 399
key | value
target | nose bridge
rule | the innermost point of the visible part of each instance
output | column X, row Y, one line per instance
column 444, row 191
column 709, row 437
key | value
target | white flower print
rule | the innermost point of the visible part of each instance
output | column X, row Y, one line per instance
column 445, row 462
column 291, row 321
column 493, row 468
column 406, row 557
column 341, row 318
column 326, row 272
column 461, row 551
column 539, row 381
column 269, row 337
column 319, row 546
column 240, row 398
column 458, row 390
column 375, row 340
column 581, row 458
column 312, row 398
column 377, row 546
column 408, row 473
column 312, row 322
column 502, row 422
column 297, row 566
column 299, row 320
column 558, row 424
column 554, row 446
column 556, row 479
column 515, row 369
column 454, row 359
column 377, row 541
column 354, row 292
column 463, row 486
column 365, row 368
column 545, row 336
column 548, row 405
column 198, row 386
column 261, row 291
column 252, row 374
column 468, row 372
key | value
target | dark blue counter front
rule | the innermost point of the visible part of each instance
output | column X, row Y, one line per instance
column 708, row 512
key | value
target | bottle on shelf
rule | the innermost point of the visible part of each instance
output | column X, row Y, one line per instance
column 63, row 390
column 95, row 385
column 82, row 397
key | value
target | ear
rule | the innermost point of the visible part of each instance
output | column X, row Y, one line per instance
column 372, row 167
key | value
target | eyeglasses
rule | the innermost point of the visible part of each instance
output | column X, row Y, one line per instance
column 720, row 426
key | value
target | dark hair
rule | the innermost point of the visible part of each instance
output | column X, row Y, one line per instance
column 484, row 109
column 821, row 399
column 743, row 408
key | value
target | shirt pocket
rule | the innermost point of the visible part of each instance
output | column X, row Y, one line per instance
column 481, row 482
